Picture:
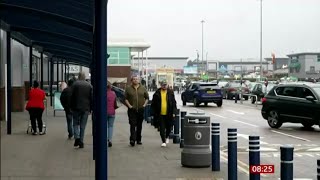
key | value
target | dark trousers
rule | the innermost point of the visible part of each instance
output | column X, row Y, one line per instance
column 69, row 123
column 36, row 115
column 135, row 121
column 165, row 127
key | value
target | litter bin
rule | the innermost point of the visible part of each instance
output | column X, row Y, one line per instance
column 196, row 151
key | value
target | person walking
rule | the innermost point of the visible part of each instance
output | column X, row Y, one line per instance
column 111, row 112
column 66, row 103
column 136, row 98
column 164, row 108
column 35, row 106
column 81, row 106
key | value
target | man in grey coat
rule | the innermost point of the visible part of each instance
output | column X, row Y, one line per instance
column 81, row 106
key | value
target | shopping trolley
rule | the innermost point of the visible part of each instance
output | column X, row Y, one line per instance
column 44, row 121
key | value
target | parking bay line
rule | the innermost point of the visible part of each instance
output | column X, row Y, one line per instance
column 236, row 112
column 218, row 116
column 292, row 136
column 246, row 123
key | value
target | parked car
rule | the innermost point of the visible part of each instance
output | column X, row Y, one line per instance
column 260, row 90
column 294, row 103
column 231, row 88
column 202, row 92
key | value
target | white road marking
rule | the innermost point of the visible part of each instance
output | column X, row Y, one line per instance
column 218, row 116
column 236, row 112
column 310, row 155
column 296, row 137
column 314, row 149
column 245, row 136
column 246, row 123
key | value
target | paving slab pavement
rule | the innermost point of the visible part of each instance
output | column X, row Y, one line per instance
column 52, row 156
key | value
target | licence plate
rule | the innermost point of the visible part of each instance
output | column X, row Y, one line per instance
column 211, row 92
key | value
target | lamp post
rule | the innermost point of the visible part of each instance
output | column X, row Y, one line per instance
column 202, row 22
column 261, row 71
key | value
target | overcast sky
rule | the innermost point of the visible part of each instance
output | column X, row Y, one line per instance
column 231, row 28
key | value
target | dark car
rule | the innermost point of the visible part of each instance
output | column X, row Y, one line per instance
column 294, row 103
column 231, row 88
column 202, row 92
column 259, row 91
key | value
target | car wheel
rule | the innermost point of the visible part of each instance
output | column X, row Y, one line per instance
column 195, row 102
column 206, row 104
column 307, row 125
column 273, row 119
column 253, row 100
column 219, row 104
column 246, row 98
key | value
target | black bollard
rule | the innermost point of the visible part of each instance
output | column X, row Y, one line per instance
column 183, row 114
column 254, row 156
column 286, row 170
column 318, row 169
column 151, row 122
column 215, row 146
column 232, row 154
column 176, row 137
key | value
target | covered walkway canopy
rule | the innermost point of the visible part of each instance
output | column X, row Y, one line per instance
column 69, row 30
column 62, row 28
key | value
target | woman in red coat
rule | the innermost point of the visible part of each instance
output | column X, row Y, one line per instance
column 35, row 106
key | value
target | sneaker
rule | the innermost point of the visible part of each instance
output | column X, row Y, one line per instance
column 41, row 133
column 163, row 145
column 34, row 133
column 167, row 141
column 139, row 143
column 76, row 143
column 132, row 143
column 81, row 145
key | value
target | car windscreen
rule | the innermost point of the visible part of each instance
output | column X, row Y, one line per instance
column 207, row 86
column 317, row 90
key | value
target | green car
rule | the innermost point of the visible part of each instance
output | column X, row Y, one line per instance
column 293, row 103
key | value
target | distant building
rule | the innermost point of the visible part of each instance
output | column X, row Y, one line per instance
column 304, row 65
column 153, row 63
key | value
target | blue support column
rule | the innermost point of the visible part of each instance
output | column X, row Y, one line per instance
column 51, row 80
column 9, row 83
column 254, row 155
column 93, row 114
column 30, row 66
column 41, row 72
column 57, row 75
column 100, row 44
column 65, row 72
column 48, row 71
column 232, row 154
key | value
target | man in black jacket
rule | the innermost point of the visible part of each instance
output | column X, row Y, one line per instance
column 164, row 108
column 81, row 107
column 65, row 101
